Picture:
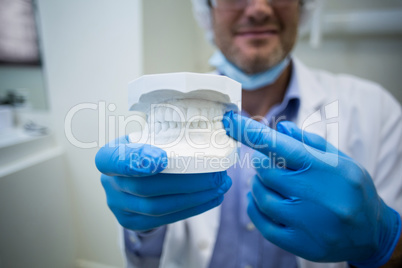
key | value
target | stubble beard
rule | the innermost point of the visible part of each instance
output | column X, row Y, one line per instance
column 256, row 63
column 260, row 59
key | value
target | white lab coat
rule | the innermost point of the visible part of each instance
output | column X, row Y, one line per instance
column 357, row 116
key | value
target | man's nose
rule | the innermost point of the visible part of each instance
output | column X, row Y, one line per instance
column 259, row 10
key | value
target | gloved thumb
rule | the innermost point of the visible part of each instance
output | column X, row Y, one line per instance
column 120, row 158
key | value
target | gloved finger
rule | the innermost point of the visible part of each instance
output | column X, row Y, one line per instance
column 165, row 184
column 272, row 204
column 119, row 158
column 285, row 181
column 265, row 139
column 163, row 205
column 139, row 222
column 271, row 230
column 310, row 139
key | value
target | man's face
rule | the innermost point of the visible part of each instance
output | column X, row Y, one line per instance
column 257, row 37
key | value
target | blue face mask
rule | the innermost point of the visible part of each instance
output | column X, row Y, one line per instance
column 249, row 82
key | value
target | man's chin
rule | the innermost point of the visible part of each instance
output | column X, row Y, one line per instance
column 257, row 62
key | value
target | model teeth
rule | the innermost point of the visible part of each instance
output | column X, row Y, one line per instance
column 169, row 114
column 204, row 114
column 178, row 117
column 202, row 125
column 211, row 114
column 194, row 124
column 165, row 126
column 192, row 113
column 158, row 127
column 218, row 125
column 218, row 115
column 160, row 114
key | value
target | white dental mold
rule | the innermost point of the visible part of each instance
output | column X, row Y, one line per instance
column 184, row 114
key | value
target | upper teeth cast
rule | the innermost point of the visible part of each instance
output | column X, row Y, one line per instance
column 165, row 117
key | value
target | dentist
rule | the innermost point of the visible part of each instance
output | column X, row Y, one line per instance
column 335, row 202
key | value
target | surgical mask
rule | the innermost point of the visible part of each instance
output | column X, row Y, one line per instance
column 249, row 82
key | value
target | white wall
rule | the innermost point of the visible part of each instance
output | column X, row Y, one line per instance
column 172, row 40
column 36, row 225
column 92, row 49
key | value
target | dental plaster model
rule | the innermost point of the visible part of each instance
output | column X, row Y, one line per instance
column 184, row 117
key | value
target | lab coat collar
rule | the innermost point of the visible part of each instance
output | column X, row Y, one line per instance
column 311, row 95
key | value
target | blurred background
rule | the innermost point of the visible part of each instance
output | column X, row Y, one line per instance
column 64, row 70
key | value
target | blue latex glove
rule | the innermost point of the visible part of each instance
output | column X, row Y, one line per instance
column 141, row 198
column 310, row 208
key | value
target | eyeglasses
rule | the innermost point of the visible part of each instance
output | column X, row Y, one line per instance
column 242, row 4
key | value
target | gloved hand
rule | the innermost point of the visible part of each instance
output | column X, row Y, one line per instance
column 309, row 207
column 141, row 198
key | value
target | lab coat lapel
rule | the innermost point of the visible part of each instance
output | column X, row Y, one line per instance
column 190, row 243
column 312, row 96
column 312, row 99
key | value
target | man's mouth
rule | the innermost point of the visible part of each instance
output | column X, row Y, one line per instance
column 257, row 33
